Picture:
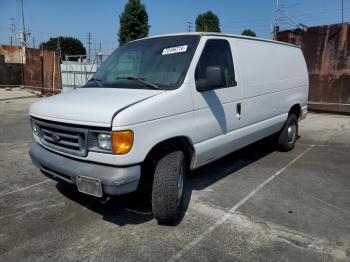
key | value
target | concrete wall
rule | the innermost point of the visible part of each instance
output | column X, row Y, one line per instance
column 327, row 53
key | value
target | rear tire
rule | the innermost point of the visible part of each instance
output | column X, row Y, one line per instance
column 168, row 184
column 287, row 137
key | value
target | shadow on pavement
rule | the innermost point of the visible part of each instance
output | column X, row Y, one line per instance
column 135, row 208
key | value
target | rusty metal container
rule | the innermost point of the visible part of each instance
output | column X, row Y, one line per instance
column 33, row 68
column 327, row 53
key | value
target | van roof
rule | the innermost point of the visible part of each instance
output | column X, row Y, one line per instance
column 222, row 35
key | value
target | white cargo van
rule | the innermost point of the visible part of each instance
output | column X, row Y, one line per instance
column 163, row 105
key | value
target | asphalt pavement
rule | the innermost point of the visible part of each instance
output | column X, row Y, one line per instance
column 256, row 204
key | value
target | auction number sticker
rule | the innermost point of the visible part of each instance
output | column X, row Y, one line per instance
column 174, row 50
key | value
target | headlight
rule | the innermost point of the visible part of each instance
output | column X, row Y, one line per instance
column 104, row 141
column 122, row 142
column 34, row 127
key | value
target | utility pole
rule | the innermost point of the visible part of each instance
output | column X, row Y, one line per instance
column 12, row 25
column 33, row 42
column 99, row 55
column 189, row 28
column 277, row 20
column 342, row 11
column 59, row 49
column 89, row 44
column 10, row 39
column 23, row 24
column 13, row 28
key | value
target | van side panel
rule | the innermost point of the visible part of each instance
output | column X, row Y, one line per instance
column 235, row 140
column 275, row 79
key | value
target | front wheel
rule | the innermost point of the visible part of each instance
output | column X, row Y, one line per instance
column 287, row 137
column 168, row 185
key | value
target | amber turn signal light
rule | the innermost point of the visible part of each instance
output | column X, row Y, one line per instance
column 122, row 142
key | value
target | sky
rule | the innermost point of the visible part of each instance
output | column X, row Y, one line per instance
column 76, row 18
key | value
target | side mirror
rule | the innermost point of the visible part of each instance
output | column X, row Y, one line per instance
column 214, row 79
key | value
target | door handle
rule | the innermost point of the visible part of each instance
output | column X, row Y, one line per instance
column 238, row 110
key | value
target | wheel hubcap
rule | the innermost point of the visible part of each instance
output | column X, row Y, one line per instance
column 291, row 132
column 180, row 184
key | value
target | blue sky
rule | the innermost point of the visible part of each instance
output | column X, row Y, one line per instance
column 101, row 18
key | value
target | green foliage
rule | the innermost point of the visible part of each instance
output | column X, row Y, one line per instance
column 133, row 22
column 69, row 46
column 248, row 32
column 207, row 22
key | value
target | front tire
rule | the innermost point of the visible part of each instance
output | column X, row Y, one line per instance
column 168, row 184
column 287, row 137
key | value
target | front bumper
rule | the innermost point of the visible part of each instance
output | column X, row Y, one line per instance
column 115, row 180
column 303, row 112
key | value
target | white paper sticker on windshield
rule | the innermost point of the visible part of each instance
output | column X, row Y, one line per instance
column 174, row 50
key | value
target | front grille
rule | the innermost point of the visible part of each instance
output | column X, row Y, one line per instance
column 63, row 137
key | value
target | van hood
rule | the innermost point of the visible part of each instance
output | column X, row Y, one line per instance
column 89, row 106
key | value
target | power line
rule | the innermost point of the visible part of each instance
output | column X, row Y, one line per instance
column 317, row 13
column 294, row 15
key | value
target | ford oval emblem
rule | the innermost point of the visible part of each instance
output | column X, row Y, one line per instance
column 55, row 138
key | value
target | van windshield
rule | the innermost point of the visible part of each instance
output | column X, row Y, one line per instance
column 154, row 63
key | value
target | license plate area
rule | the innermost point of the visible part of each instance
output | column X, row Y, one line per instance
column 90, row 186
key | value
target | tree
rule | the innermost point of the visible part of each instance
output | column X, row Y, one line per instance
column 207, row 22
column 133, row 22
column 68, row 45
column 248, row 32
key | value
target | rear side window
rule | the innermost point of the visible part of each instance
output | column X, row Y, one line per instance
column 217, row 53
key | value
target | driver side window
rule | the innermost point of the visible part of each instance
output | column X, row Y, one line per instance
column 216, row 53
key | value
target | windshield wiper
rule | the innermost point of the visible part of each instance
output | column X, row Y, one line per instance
column 140, row 79
column 96, row 80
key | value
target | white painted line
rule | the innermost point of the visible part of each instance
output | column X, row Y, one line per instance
column 24, row 188
column 313, row 145
column 198, row 239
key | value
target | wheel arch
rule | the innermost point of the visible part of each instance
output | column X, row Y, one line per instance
column 295, row 109
column 182, row 143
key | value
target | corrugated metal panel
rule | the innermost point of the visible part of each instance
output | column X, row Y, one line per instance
column 76, row 74
column 34, row 68
column 51, row 73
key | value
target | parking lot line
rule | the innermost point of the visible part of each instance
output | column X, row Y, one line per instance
column 198, row 239
column 25, row 188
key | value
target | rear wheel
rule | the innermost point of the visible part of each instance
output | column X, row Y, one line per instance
column 168, row 185
column 287, row 137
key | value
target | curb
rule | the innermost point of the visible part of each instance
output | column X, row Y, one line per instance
column 20, row 97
